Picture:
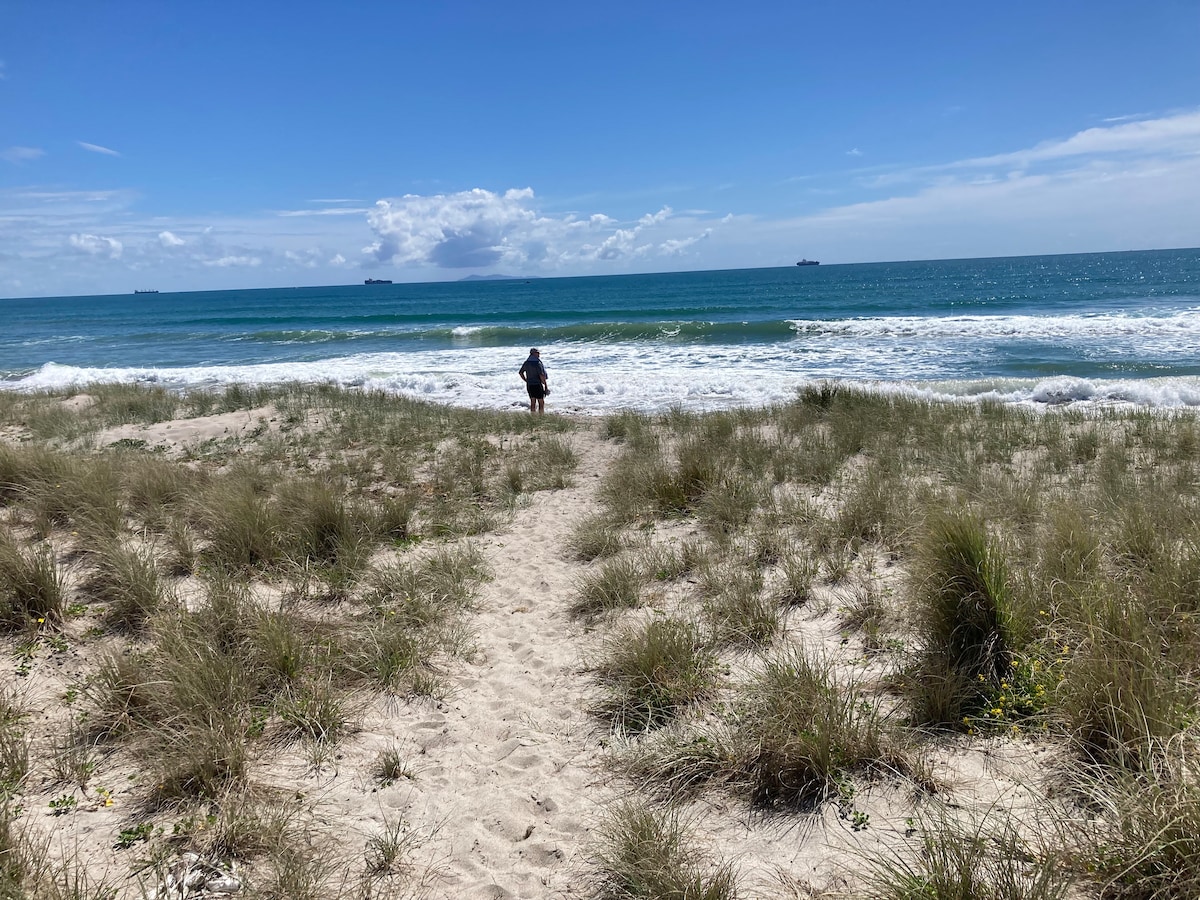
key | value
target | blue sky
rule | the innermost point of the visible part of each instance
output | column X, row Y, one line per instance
column 219, row 145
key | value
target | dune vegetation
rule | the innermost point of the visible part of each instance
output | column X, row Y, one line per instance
column 808, row 612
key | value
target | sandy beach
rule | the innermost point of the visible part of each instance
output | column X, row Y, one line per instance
column 507, row 774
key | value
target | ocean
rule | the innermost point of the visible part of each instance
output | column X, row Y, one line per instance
column 1100, row 328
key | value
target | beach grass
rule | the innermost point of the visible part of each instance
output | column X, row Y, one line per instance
column 649, row 854
column 784, row 605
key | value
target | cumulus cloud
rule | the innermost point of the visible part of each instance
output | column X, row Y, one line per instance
column 167, row 239
column 22, row 154
column 481, row 229
column 468, row 229
column 676, row 246
column 96, row 245
column 96, row 148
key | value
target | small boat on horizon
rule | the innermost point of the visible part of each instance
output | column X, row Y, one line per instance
column 377, row 281
column 808, row 262
column 151, row 291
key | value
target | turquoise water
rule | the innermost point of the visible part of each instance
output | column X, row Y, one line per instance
column 1091, row 327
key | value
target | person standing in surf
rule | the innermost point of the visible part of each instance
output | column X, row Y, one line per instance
column 533, row 373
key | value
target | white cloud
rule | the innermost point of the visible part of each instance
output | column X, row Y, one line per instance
column 1175, row 136
column 661, row 216
column 1125, row 185
column 484, row 229
column 95, row 245
column 96, row 148
column 22, row 154
column 339, row 211
column 234, row 261
column 1170, row 135
column 1096, row 205
column 676, row 247
column 309, row 259
column 469, row 229
column 854, row 152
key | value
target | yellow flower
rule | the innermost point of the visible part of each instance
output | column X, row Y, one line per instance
column 998, row 712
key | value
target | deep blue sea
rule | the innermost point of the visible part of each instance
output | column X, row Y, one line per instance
column 1089, row 328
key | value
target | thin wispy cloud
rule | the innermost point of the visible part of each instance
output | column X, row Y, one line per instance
column 854, row 152
column 96, row 148
column 1165, row 137
column 338, row 211
column 1173, row 134
column 20, row 155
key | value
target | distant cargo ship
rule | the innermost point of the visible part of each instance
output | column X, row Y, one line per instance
column 808, row 262
column 146, row 292
column 376, row 281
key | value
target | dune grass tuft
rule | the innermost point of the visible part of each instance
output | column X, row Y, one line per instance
column 648, row 854
column 965, row 613
column 654, row 672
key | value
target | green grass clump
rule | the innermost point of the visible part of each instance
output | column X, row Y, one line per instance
column 616, row 585
column 646, row 854
column 1122, row 699
column 32, row 591
column 734, row 602
column 14, row 745
column 655, row 672
column 799, row 735
column 961, row 861
column 1145, row 842
column 595, row 537
column 127, row 579
column 965, row 621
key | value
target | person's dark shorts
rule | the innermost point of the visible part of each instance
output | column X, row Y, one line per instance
column 536, row 391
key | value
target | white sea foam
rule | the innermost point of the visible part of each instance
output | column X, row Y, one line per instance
column 1148, row 325
column 600, row 379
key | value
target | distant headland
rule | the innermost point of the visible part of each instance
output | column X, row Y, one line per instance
column 496, row 278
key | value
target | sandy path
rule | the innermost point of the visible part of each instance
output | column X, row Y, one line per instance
column 507, row 782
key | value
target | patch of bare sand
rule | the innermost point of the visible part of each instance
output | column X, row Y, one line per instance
column 175, row 435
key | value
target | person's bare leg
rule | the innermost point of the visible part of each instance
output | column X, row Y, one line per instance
column 532, row 405
column 541, row 406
